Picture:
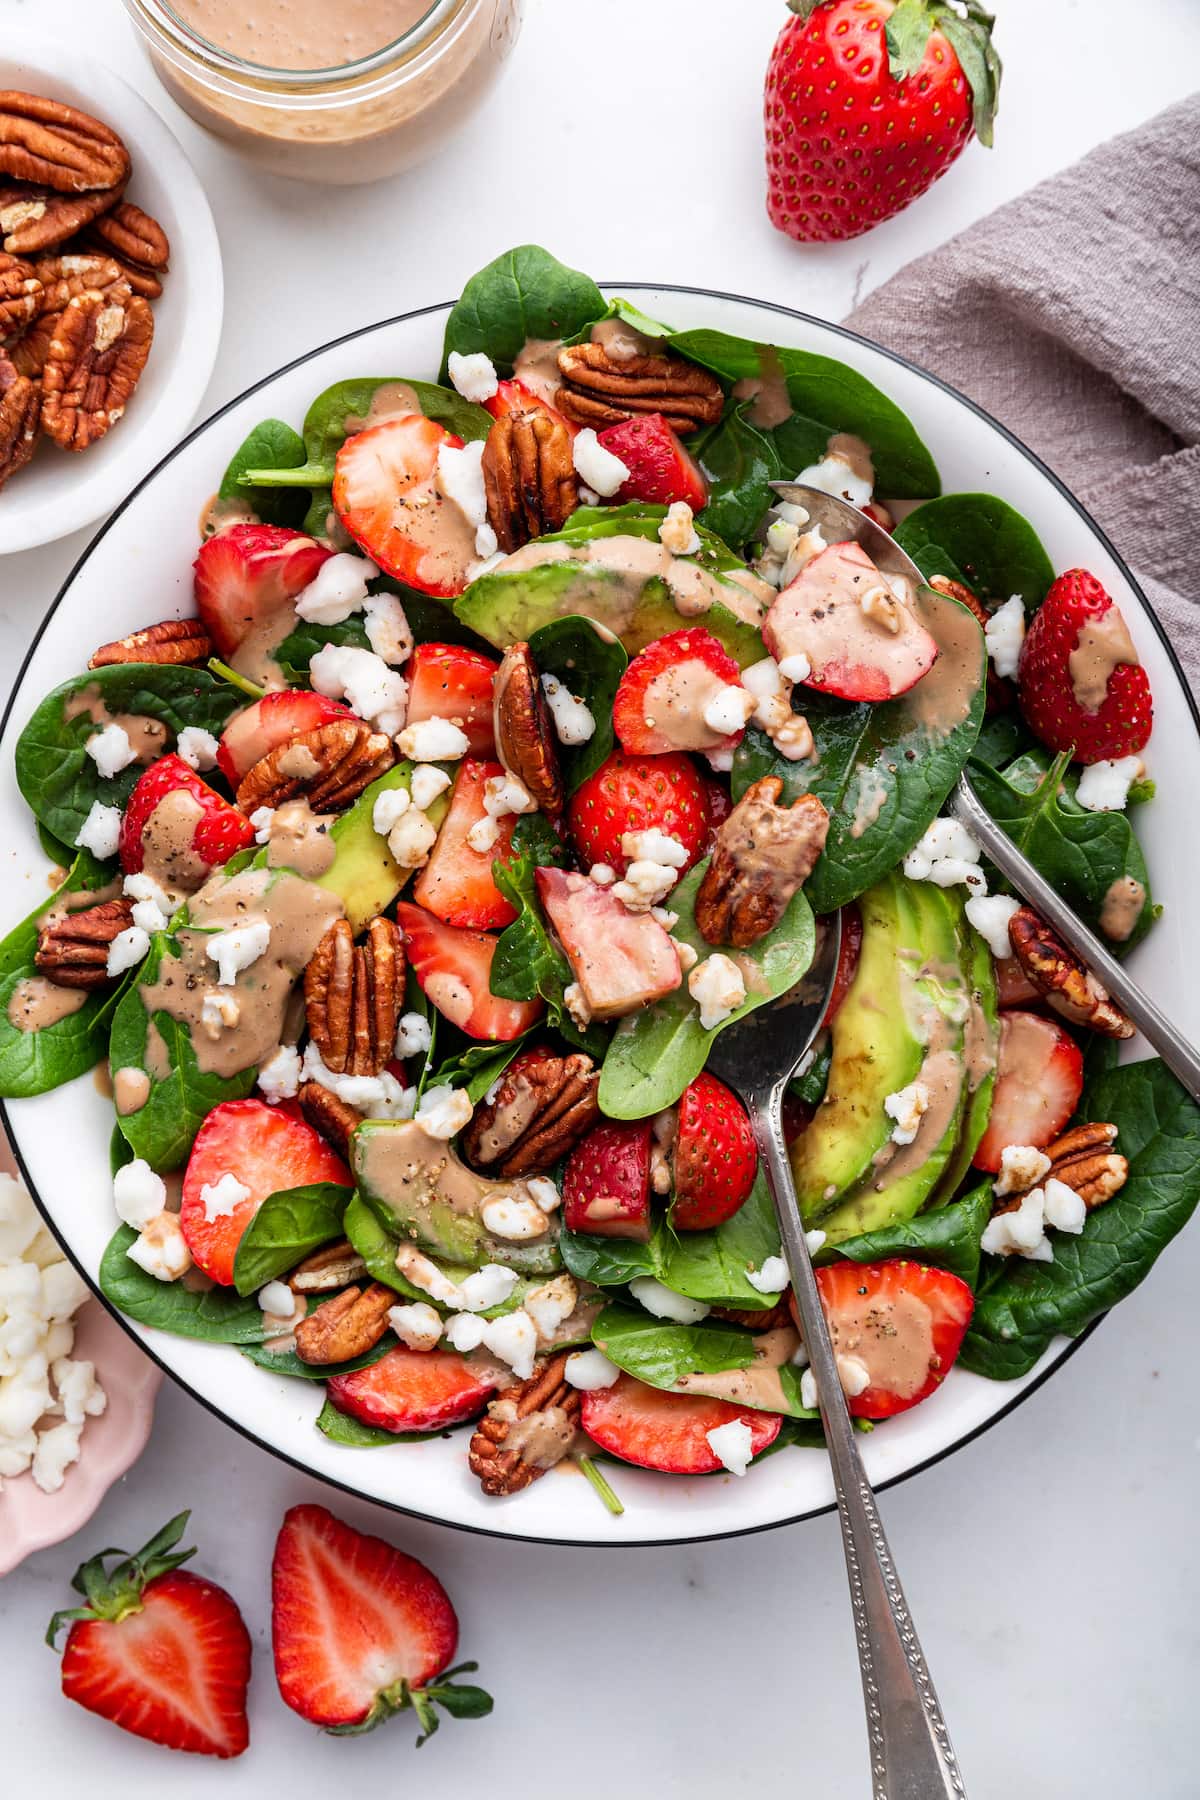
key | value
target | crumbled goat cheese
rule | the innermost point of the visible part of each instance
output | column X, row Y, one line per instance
column 645, row 884
column 423, row 1273
column 79, row 1393
column 1065, row 1210
column 880, row 607
column 464, row 1332
column 237, row 948
column 990, row 914
column 1104, row 786
column 678, row 533
column 197, row 747
column 720, row 761
column 411, row 839
column 795, row 667
column 378, row 1096
column 653, row 846
column 277, row 1300
column 434, row 740
column 772, row 693
column 513, row 1219
column 338, row 589
column 487, row 543
column 1004, row 634
column 574, row 722
column 833, row 475
column 373, row 691
column 732, row 1445
column 460, row 479
column 814, row 1241
column 443, row 1111
column 425, row 784
column 789, row 548
column 101, row 831
column 791, row 735
column 1020, row 1232
column 854, row 1375
column 482, row 835
column 661, row 916
column 550, row 1304
column 111, row 750
column 577, row 1007
column 263, row 821
column 543, row 1192
column 808, row 1391
column 772, row 1278
column 504, row 794
column 218, row 1012
column 907, row 1107
column 127, row 950
column 279, row 1076
column 602, row 874
column 665, row 1303
column 142, row 887
column 590, row 1369
column 474, row 376
column 388, row 631
column 1021, row 1167
column 222, row 1197
column 487, row 1287
column 160, row 1248
column 513, row 1338
column 717, row 987
column 139, row 1195
column 947, row 854
column 414, row 1035
column 418, row 1326
column 57, row 1448
column 149, row 917
column 597, row 466
column 389, row 808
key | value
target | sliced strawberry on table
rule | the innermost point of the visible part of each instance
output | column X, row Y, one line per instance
column 667, row 690
column 266, row 1149
column 220, row 831
column 715, row 1155
column 456, row 883
column 660, row 469
column 453, row 969
column 861, row 640
column 904, row 1322
column 162, row 1653
column 1038, row 1083
column 621, row 960
column 265, row 724
column 386, row 495
column 667, row 1432
column 606, row 1183
column 412, row 1390
column 245, row 574
column 448, row 681
column 634, row 793
column 847, row 963
column 1079, row 681
column 360, row 1630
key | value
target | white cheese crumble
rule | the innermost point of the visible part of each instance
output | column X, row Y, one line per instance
column 411, row 839
column 149, row 916
column 1104, row 786
column 590, row 1369
column 338, row 589
column 378, row 1096
column 1020, row 1232
column 414, row 1035
column 373, row 691
column 127, row 950
column 279, row 1076
column 645, row 884
column 277, row 1300
column 602, row 874
column 543, row 1193
column 717, row 987
column 504, row 794
column 808, row 1391
column 665, row 1303
column 854, row 1375
column 443, row 1111
column 795, row 667
column 771, row 1278
column 595, row 465
column 1004, row 634
column 947, row 855
column 417, row 1326
column 678, row 533
column 434, row 740
column 732, row 1445
column 460, row 479
column 197, row 747
column 425, row 784
column 1065, row 1210
column 263, row 821
column 1021, row 1167
column 142, row 887
column 160, row 1248
column 473, row 375
column 814, row 1241
column 388, row 631
column 653, row 846
column 513, row 1338
column 222, row 1197
column 111, row 750
column 833, row 475
column 218, row 1012
column 907, row 1106
column 513, row 1219
column 101, row 831
column 139, row 1195
column 990, row 914
column 574, row 722
column 577, row 1007
column 424, row 1273
column 388, row 809
column 235, row 949
column 464, row 1332
column 552, row 1303
column 487, row 1287
column 482, row 836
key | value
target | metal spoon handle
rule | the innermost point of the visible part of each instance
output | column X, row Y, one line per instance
column 1180, row 1056
column 912, row 1757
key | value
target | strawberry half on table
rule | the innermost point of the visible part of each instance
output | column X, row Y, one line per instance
column 385, row 493
column 903, row 1321
column 160, row 1652
column 221, row 829
column 1079, row 681
column 361, row 1631
column 660, row 469
column 245, row 574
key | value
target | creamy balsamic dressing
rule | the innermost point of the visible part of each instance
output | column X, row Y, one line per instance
column 167, row 839
column 758, row 1385
column 36, row 1002
column 1104, row 645
column 675, row 701
column 942, row 698
column 415, row 1173
column 540, row 1439
column 300, row 34
column 767, row 391
column 147, row 737
column 855, row 452
column 131, row 1090
column 635, row 561
column 870, row 799
column 537, row 366
column 624, row 343
column 943, row 1073
column 391, row 400
column 223, row 513
column 1122, row 908
column 301, row 839
column 893, row 1338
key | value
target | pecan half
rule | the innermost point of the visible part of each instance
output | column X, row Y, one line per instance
column 20, row 295
column 1063, row 978
column 33, row 219
column 330, row 767
column 354, row 995
column 348, row 1325
column 174, row 642
column 528, row 476
column 96, row 358
column 63, row 279
column 543, row 1106
column 333, row 1266
column 526, row 1430
column 327, row 1114
column 20, row 410
column 524, row 730
column 763, row 852
column 134, row 237
column 72, row 947
column 999, row 691
column 601, row 390
column 46, row 141
column 1085, row 1160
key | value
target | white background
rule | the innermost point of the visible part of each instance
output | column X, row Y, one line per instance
column 1051, row 1564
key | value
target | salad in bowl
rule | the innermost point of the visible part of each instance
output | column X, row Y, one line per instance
column 514, row 743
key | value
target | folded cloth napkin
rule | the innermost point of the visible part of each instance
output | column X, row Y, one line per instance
column 1073, row 315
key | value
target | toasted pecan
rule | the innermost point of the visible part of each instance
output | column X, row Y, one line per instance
column 599, row 389
column 528, row 475
column 96, row 357
column 72, row 947
column 329, row 766
column 544, row 1104
column 1084, row 1159
column 345, row 1326
column 526, row 1430
column 49, row 142
column 34, row 219
column 174, row 642
column 762, row 854
column 331, row 1267
column 329, row 1115
column 1063, row 978
column 20, row 295
column 20, row 410
column 354, row 995
column 526, row 742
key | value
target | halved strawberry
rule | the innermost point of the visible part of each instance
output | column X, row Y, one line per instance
column 1038, row 1083
column 1013, row 986
column 606, row 1183
column 667, row 1432
column 1079, row 682
column 517, row 396
column 861, row 642
column 220, row 831
column 456, row 883
column 265, row 1148
column 847, row 964
column 385, row 493
column 720, row 805
column 621, row 960
column 663, row 694
column 660, row 469
column 448, row 681
column 905, row 1321
column 633, row 793
column 248, row 572
column 412, row 1390
column 263, row 725
column 359, row 1630
column 453, row 968
column 715, row 1155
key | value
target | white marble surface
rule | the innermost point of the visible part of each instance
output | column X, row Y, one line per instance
column 1050, row 1564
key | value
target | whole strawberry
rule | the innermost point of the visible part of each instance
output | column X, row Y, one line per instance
column 715, row 1157
column 635, row 793
column 1080, row 684
column 867, row 103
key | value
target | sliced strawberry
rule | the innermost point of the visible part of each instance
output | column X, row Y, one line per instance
column 267, row 1149
column 904, row 1321
column 1013, row 986
column 456, row 883
column 665, row 691
column 660, row 469
column 667, row 1432
column 857, row 654
column 720, row 805
column 385, row 493
column 517, row 396
column 621, row 960
column 359, row 1630
column 453, row 968
column 1038, row 1083
column 1080, row 684
column 606, row 1183
column 847, row 964
column 159, row 1652
column 220, row 831
column 447, row 681
column 265, row 724
column 715, row 1156
column 633, row 793
column 412, row 1390
column 245, row 574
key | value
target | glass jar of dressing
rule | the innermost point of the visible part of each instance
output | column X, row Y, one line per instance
column 329, row 90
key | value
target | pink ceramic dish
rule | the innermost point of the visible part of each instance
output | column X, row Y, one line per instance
column 31, row 1520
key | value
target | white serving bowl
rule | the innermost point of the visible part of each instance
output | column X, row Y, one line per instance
column 139, row 570
column 59, row 491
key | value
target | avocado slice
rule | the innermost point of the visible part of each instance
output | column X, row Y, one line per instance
column 980, row 1049
column 364, row 874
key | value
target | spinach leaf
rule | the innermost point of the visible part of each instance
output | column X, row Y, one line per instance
column 33, row 1062
column 343, row 409
column 982, row 541
column 57, row 777
column 712, row 1265
column 1027, row 1304
column 286, row 1227
column 377, row 1249
column 611, row 1261
column 527, row 963
column 662, row 1354
column 215, row 1313
column 590, row 667
column 1081, row 853
column 1002, row 738
column 948, row 1237
column 477, row 1066
column 341, row 1428
column 429, row 620
column 526, row 293
column 301, row 645
column 810, row 1087
column 658, row 1050
column 740, row 462
column 271, row 445
column 286, row 1362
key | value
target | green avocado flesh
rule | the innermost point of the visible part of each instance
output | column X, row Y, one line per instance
column 364, row 874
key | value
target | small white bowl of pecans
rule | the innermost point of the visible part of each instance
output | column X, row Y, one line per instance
column 110, row 291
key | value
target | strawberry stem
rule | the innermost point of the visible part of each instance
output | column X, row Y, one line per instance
column 223, row 672
column 113, row 1594
column 601, row 1486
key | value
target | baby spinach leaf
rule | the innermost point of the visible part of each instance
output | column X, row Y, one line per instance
column 1002, row 738
column 948, row 1237
column 1027, row 1304
column 527, row 963
column 658, row 1050
column 343, row 409
column 429, row 620
column 377, row 1249
column 712, row 1265
column 810, row 1087
column 740, row 462
column 590, row 667
column 286, row 1227
column 340, row 1428
column 215, row 1313
column 286, row 1362
column 301, row 645
column 662, row 1354
column 60, row 854
column 526, row 293
column 478, row 1066
column 57, row 777
column 270, row 446
column 612, row 1261
column 982, row 541
column 618, row 308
